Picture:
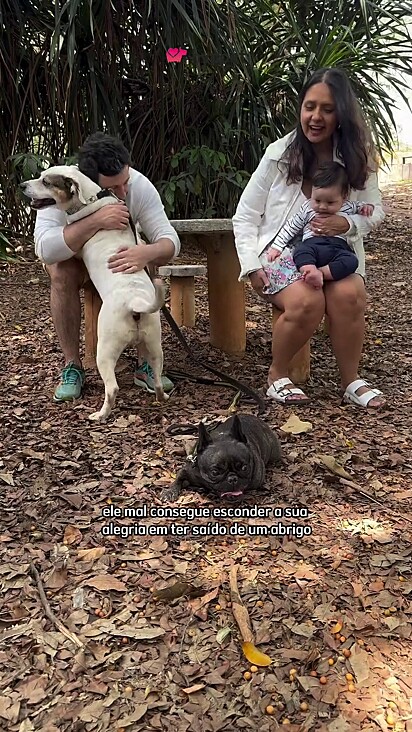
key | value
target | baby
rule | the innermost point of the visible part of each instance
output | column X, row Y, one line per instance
column 319, row 257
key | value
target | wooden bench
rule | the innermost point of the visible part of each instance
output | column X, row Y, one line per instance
column 182, row 291
column 226, row 295
column 227, row 320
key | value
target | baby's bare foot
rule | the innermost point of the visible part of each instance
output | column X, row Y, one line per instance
column 313, row 276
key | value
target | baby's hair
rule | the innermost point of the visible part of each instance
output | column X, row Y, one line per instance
column 331, row 174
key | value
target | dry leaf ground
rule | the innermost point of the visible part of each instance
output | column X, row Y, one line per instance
column 341, row 593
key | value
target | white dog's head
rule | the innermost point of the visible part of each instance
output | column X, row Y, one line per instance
column 63, row 186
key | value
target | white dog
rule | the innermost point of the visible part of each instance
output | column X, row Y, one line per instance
column 131, row 302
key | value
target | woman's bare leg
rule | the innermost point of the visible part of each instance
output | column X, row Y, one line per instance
column 345, row 306
column 302, row 310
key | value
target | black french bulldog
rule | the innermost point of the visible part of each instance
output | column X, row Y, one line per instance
column 229, row 460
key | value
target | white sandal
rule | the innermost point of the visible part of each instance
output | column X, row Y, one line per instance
column 279, row 393
column 361, row 400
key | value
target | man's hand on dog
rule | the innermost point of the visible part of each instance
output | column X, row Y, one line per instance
column 130, row 259
column 113, row 216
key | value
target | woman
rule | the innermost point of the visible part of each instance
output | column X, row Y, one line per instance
column 330, row 127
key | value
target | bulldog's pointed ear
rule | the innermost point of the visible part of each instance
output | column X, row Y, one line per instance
column 204, row 439
column 237, row 430
column 75, row 189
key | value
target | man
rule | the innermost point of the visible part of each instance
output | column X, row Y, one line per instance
column 106, row 161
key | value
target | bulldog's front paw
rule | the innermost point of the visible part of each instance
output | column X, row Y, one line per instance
column 170, row 494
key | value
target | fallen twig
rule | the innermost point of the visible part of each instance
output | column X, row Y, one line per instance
column 239, row 611
column 49, row 612
column 358, row 490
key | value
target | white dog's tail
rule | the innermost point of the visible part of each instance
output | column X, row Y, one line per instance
column 158, row 303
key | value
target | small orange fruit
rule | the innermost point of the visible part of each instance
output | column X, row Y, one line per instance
column 393, row 609
column 346, row 652
column 392, row 705
column 323, row 680
column 293, row 671
column 313, row 673
column 125, row 640
column 351, row 688
column 361, row 642
column 342, row 638
column 331, row 661
column 387, row 612
column 259, row 603
column 286, row 721
column 304, row 707
column 218, row 607
column 247, row 675
column 254, row 669
column 269, row 709
column 349, row 677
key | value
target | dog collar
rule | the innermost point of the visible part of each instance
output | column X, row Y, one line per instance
column 103, row 194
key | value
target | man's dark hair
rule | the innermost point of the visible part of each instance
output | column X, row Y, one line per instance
column 102, row 154
column 331, row 174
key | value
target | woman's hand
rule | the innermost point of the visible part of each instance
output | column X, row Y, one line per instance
column 259, row 280
column 130, row 259
column 329, row 225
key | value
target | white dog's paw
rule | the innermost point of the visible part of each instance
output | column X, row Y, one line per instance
column 97, row 417
column 162, row 397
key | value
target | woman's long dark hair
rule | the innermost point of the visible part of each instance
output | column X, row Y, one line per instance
column 354, row 142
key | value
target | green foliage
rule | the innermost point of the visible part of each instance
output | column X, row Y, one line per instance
column 6, row 246
column 70, row 68
column 203, row 184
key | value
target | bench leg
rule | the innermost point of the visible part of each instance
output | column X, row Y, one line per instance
column 182, row 300
column 299, row 370
column 226, row 296
column 92, row 305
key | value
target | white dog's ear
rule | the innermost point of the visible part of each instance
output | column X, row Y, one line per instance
column 75, row 188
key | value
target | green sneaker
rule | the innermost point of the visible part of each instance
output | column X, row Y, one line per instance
column 71, row 383
column 143, row 376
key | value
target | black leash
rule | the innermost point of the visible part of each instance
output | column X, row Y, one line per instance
column 225, row 380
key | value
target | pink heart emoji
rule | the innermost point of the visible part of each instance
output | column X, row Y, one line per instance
column 173, row 51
